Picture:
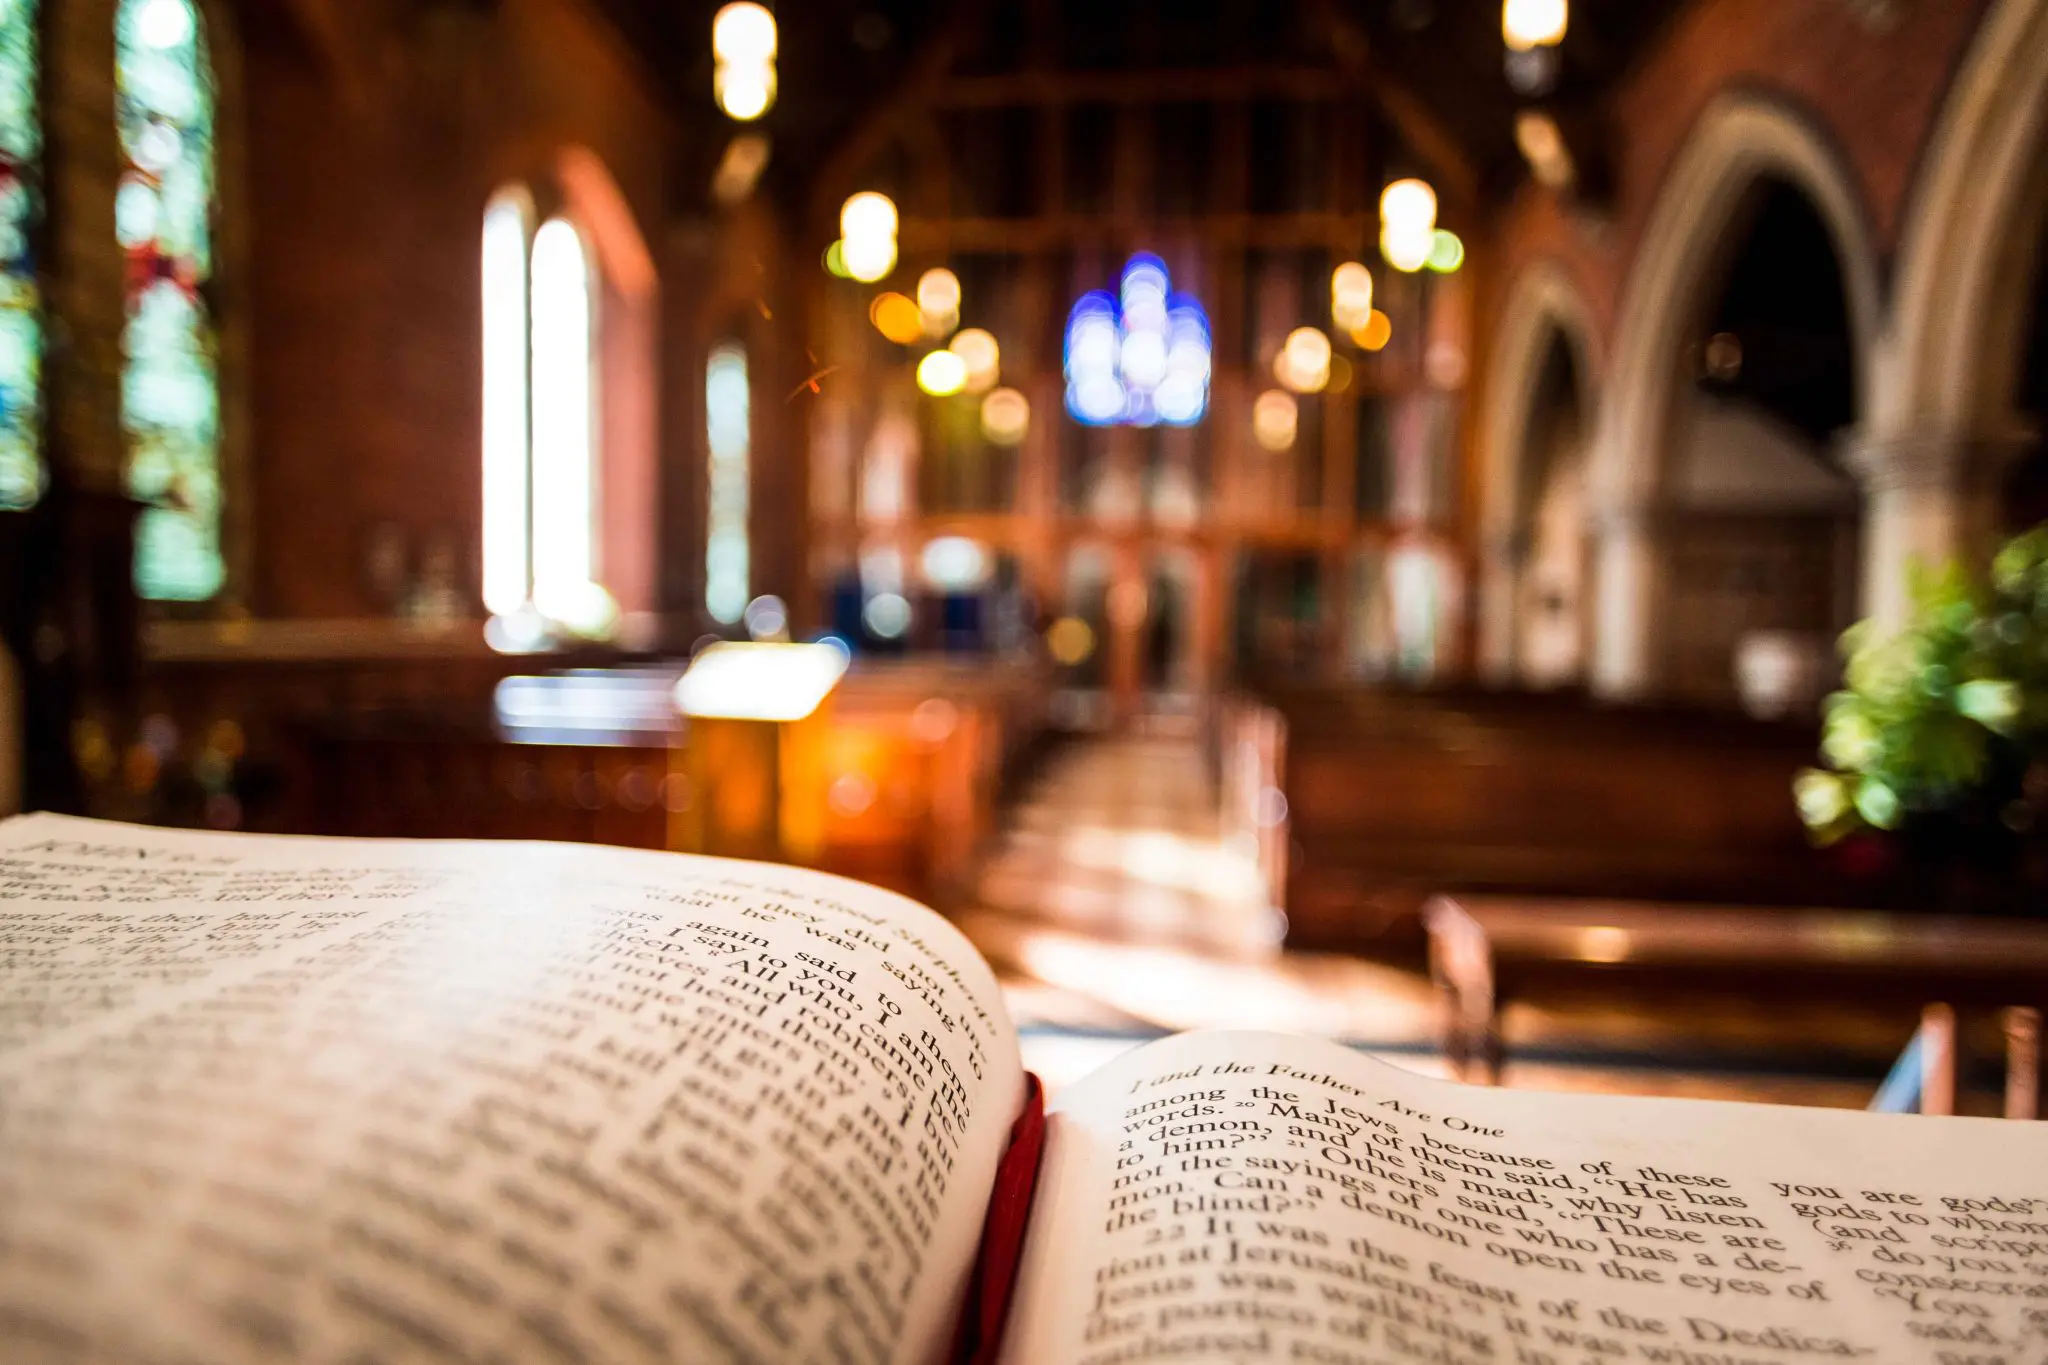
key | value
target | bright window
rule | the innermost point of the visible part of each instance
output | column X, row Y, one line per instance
column 728, row 422
column 21, row 325
column 540, row 437
column 163, row 215
column 508, row 230
column 564, row 422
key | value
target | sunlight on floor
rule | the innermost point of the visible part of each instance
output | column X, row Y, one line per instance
column 1118, row 908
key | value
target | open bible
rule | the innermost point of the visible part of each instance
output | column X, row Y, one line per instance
column 278, row 1099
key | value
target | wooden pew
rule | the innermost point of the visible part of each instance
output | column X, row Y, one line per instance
column 1486, row 951
column 1384, row 797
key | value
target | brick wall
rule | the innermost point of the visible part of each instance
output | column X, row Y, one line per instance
column 1872, row 91
column 376, row 132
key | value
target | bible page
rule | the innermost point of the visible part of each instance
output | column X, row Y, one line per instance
column 1247, row 1197
column 351, row 1100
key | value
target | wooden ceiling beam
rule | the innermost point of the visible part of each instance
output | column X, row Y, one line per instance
column 1457, row 174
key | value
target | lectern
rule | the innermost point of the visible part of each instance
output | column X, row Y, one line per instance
column 755, row 785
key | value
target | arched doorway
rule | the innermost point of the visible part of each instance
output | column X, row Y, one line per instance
column 1755, row 181
column 1760, row 519
column 1945, row 447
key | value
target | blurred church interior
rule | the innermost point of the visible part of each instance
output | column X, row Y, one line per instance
column 1332, row 515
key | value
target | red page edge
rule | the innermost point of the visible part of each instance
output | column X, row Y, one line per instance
column 987, row 1306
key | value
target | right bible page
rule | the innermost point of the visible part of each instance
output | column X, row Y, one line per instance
column 1239, row 1197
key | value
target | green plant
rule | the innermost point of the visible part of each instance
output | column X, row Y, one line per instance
column 1947, row 717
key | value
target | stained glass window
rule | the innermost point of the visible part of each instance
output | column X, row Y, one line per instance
column 163, row 210
column 21, row 329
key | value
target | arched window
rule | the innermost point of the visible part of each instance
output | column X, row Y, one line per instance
column 508, row 233
column 163, row 214
column 564, row 422
column 21, row 326
column 540, row 438
column 728, row 428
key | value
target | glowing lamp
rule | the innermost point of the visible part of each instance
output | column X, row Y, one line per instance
column 776, row 682
column 981, row 355
column 743, row 33
column 1526, row 24
column 866, row 216
column 1005, row 417
column 942, row 374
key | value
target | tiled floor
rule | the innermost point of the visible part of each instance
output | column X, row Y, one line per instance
column 1116, row 909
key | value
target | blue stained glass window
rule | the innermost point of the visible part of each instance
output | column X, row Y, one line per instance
column 21, row 324
column 163, row 214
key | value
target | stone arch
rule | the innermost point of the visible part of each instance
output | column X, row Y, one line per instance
column 628, row 342
column 1543, row 307
column 1971, row 233
column 1942, row 430
column 1740, row 140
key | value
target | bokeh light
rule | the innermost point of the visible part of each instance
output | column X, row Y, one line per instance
column 743, row 92
column 1446, row 252
column 869, row 258
column 896, row 318
column 1274, row 419
column 767, row 618
column 1350, row 296
column 942, row 374
column 953, row 563
column 1141, row 356
column 1407, row 206
column 1070, row 641
column 743, row 40
column 867, row 214
column 981, row 355
column 1377, row 332
column 886, row 615
column 1533, row 23
column 743, row 32
column 1407, row 251
column 867, row 235
column 1303, row 364
column 835, row 260
column 1005, row 417
column 938, row 297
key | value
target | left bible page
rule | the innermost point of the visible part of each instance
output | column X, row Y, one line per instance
column 350, row 1100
